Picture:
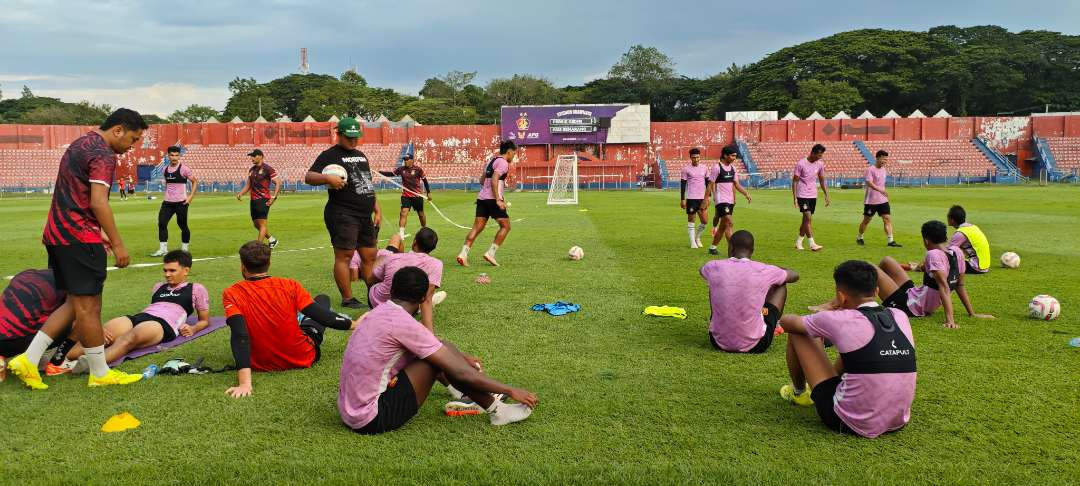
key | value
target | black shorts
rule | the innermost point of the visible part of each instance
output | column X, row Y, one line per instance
column 771, row 315
column 79, row 268
column 488, row 208
column 822, row 395
column 259, row 209
column 168, row 334
column 881, row 209
column 15, row 346
column 694, row 205
column 898, row 299
column 396, row 406
column 807, row 204
column 724, row 209
column 349, row 230
column 414, row 202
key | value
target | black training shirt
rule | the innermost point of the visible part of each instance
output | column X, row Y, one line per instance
column 359, row 192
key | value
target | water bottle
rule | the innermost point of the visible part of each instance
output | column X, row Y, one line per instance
column 150, row 372
column 1075, row 342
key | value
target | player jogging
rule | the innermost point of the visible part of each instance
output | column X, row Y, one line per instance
column 352, row 214
column 723, row 182
column 176, row 201
column 260, row 175
column 72, row 237
column 808, row 174
column 877, row 198
column 491, row 203
column 692, row 197
column 411, row 197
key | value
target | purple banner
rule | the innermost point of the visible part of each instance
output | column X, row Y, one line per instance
column 558, row 124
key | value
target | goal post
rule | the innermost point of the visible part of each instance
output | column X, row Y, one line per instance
column 564, row 183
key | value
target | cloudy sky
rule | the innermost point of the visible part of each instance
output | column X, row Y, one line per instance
column 157, row 56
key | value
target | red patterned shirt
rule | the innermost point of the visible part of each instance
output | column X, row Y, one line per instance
column 88, row 160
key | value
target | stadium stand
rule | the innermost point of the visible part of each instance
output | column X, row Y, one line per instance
column 1066, row 152
column 675, row 167
column 918, row 157
column 840, row 157
column 29, row 167
column 224, row 163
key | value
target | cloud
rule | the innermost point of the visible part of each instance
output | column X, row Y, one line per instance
column 158, row 98
column 10, row 78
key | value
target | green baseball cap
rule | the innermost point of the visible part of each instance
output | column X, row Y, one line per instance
column 349, row 127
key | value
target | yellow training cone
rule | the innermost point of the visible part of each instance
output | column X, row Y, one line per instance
column 120, row 422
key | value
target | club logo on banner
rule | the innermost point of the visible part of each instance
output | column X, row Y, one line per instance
column 522, row 124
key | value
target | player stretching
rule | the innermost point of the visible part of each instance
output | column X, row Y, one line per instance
column 352, row 213
column 490, row 203
column 260, row 175
column 877, row 198
column 723, row 182
column 693, row 200
column 176, row 202
column 72, row 237
column 411, row 197
column 805, row 179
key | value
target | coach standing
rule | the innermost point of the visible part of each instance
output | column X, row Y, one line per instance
column 352, row 214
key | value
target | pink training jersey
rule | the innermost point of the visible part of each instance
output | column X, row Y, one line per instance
column 876, row 176
column 177, row 192
column 385, row 270
column 174, row 314
column 499, row 169
column 695, row 175
column 807, row 187
column 869, row 404
column 923, row 301
column 725, row 191
column 737, row 288
column 387, row 341
column 356, row 261
column 960, row 240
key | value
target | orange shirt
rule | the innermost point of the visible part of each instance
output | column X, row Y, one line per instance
column 269, row 306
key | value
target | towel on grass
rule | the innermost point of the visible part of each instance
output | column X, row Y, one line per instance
column 559, row 308
column 665, row 311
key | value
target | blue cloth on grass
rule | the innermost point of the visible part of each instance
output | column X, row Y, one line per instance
column 559, row 308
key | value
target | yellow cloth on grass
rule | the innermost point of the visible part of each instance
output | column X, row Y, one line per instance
column 665, row 311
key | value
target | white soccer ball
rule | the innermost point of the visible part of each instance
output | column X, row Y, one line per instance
column 1010, row 260
column 576, row 253
column 1044, row 308
column 336, row 170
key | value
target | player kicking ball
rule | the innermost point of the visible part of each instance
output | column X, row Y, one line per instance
column 692, row 197
column 809, row 173
column 491, row 203
column 412, row 177
column 392, row 361
column 869, row 389
column 877, row 199
column 723, row 182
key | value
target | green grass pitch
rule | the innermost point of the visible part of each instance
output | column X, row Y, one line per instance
column 624, row 398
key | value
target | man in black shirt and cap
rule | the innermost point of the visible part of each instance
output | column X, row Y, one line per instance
column 352, row 214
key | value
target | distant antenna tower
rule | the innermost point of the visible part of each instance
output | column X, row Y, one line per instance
column 303, row 61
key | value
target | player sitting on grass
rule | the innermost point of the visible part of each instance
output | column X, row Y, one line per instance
column 747, row 297
column 869, row 389
column 171, row 302
column 261, row 313
column 943, row 272
column 424, row 243
column 396, row 245
column 971, row 240
column 391, row 363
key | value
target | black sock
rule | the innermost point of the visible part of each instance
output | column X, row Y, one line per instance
column 61, row 352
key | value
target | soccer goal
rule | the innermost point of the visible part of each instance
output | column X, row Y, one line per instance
column 564, row 183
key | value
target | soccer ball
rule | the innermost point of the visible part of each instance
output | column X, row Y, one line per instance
column 336, row 170
column 1010, row 260
column 576, row 253
column 1044, row 308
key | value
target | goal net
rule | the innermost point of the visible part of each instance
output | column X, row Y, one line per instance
column 564, row 184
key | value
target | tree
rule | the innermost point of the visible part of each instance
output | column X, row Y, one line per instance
column 450, row 86
column 337, row 98
column 642, row 65
column 436, row 88
column 521, row 89
column 289, row 90
column 827, row 97
column 250, row 99
column 437, row 111
column 354, row 78
column 60, row 113
column 26, row 93
column 193, row 114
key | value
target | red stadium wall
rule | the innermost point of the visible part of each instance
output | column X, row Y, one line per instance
column 470, row 144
